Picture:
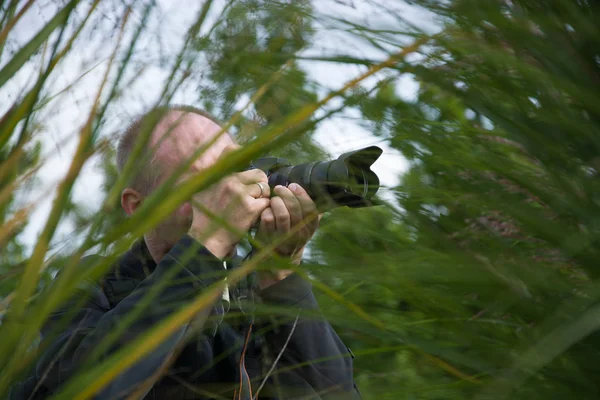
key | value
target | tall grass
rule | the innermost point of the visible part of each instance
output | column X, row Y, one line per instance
column 28, row 304
column 479, row 279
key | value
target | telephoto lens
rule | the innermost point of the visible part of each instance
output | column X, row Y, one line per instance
column 346, row 181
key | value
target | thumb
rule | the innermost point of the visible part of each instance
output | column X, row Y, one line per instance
column 259, row 205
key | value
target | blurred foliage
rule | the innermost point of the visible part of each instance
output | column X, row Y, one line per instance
column 498, row 246
column 477, row 280
column 255, row 40
column 14, row 215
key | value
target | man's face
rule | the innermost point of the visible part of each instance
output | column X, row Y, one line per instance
column 175, row 139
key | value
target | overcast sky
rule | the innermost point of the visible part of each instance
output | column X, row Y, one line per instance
column 67, row 112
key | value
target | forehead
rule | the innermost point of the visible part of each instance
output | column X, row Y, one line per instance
column 180, row 134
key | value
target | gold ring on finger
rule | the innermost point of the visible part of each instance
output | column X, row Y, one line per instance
column 262, row 189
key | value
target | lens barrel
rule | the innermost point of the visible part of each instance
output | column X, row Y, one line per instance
column 346, row 181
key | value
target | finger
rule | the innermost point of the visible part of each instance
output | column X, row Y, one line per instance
column 258, row 190
column 291, row 203
column 258, row 206
column 252, row 176
column 282, row 215
column 308, row 206
column 229, row 149
column 267, row 221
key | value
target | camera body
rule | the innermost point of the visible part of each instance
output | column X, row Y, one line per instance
column 346, row 181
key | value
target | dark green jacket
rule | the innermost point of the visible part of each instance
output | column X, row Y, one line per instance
column 203, row 359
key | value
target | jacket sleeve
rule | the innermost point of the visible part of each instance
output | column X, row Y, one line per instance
column 177, row 278
column 315, row 363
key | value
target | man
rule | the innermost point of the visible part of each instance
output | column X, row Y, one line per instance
column 214, row 356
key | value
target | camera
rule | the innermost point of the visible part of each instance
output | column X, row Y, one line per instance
column 346, row 181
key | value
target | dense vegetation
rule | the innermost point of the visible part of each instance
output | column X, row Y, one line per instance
column 477, row 279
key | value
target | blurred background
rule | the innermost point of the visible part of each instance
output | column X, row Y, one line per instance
column 477, row 278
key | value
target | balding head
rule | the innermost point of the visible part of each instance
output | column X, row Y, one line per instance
column 166, row 138
column 169, row 136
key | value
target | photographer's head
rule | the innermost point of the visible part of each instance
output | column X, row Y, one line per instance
column 237, row 201
column 169, row 136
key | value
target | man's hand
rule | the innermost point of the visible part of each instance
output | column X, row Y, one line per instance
column 291, row 209
column 238, row 200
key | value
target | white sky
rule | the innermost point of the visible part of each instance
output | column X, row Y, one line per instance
column 64, row 116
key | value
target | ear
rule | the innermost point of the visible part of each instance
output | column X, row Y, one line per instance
column 131, row 199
